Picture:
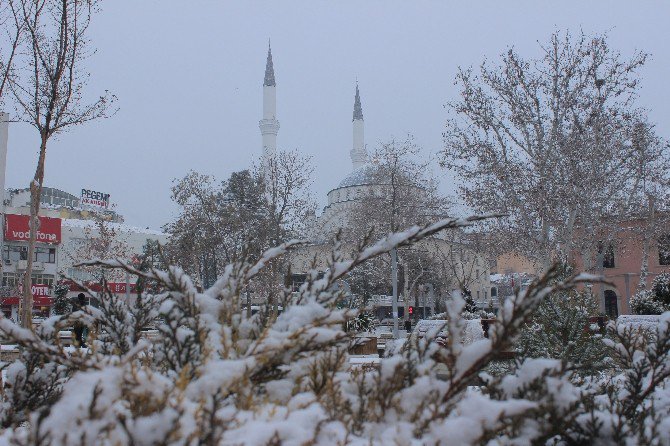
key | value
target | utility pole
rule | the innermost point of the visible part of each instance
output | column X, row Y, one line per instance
column 423, row 298
column 248, row 303
column 127, row 287
column 394, row 280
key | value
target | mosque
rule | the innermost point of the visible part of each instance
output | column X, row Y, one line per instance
column 355, row 185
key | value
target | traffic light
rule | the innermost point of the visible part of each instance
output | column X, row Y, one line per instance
column 411, row 311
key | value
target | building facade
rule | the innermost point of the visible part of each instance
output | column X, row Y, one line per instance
column 67, row 223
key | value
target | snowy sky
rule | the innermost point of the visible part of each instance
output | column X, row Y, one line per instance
column 188, row 76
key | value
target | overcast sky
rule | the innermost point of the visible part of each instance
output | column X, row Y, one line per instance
column 188, row 76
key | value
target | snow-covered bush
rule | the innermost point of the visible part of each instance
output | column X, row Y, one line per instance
column 212, row 375
column 661, row 288
column 655, row 300
column 61, row 303
column 363, row 322
column 470, row 309
column 560, row 329
column 645, row 302
column 479, row 314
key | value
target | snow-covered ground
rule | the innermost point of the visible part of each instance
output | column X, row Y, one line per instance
column 644, row 321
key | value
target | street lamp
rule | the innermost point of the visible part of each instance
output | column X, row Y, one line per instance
column 394, row 280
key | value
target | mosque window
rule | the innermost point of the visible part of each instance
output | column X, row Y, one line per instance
column 607, row 253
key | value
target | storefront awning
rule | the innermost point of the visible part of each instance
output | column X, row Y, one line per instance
column 37, row 301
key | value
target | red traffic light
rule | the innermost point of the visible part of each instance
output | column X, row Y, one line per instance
column 411, row 310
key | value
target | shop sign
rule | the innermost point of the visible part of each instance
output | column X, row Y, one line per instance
column 113, row 287
column 17, row 228
column 94, row 198
column 38, row 290
column 41, row 296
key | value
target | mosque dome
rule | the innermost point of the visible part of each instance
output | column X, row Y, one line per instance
column 362, row 176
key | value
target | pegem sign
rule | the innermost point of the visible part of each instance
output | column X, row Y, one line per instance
column 94, row 198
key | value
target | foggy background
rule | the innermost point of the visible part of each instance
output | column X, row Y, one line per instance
column 188, row 76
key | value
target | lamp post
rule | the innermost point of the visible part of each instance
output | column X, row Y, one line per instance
column 394, row 280
column 599, row 83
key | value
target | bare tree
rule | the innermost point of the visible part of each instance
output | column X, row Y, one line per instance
column 460, row 264
column 102, row 240
column 548, row 141
column 47, row 85
column 398, row 192
column 14, row 31
column 648, row 205
column 245, row 214
column 287, row 176
column 217, row 221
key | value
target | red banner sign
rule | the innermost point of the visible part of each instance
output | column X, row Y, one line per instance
column 37, row 301
column 17, row 227
column 41, row 296
column 38, row 290
column 120, row 287
column 114, row 287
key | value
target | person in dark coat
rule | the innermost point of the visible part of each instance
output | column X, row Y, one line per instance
column 79, row 304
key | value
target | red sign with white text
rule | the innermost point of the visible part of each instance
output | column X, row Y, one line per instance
column 114, row 287
column 17, row 227
column 37, row 301
column 120, row 287
column 41, row 296
column 38, row 290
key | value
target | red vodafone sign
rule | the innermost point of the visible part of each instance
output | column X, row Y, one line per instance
column 17, row 228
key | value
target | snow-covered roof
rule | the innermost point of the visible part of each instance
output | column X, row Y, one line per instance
column 76, row 223
column 359, row 177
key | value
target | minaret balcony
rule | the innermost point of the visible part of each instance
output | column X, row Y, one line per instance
column 269, row 126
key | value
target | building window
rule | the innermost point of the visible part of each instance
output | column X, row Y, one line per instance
column 664, row 250
column 14, row 252
column 18, row 252
column 13, row 279
column 43, row 279
column 297, row 280
column 611, row 306
column 10, row 279
column 80, row 274
column 46, row 255
column 608, row 255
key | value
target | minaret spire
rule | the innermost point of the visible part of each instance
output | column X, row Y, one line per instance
column 269, row 125
column 358, row 109
column 269, row 69
column 359, row 155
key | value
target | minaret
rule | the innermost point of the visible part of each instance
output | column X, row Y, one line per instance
column 269, row 125
column 359, row 155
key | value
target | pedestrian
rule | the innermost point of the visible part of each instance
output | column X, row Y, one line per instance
column 79, row 327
